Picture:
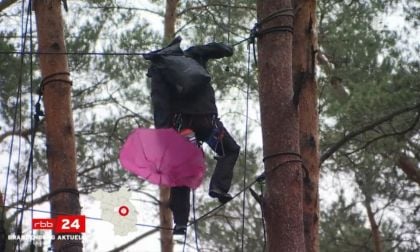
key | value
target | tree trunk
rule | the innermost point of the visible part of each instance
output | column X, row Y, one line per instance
column 61, row 151
column 170, row 19
column 166, row 239
column 409, row 168
column 376, row 236
column 279, row 122
column 304, row 47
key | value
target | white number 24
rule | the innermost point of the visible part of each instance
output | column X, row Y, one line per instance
column 70, row 225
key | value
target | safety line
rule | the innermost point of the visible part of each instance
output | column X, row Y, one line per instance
column 98, row 53
column 18, row 109
column 221, row 205
column 32, row 121
column 29, row 170
column 246, row 145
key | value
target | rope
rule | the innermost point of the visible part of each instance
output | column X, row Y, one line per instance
column 246, row 145
column 64, row 190
column 78, row 53
column 287, row 12
column 18, row 223
column 50, row 79
column 305, row 169
column 35, row 122
column 221, row 205
column 281, row 154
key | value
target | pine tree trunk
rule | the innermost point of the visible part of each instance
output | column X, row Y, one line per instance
column 61, row 151
column 170, row 19
column 166, row 238
column 279, row 121
column 166, row 241
column 376, row 235
column 304, row 46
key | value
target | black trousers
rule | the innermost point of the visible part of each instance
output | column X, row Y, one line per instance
column 209, row 129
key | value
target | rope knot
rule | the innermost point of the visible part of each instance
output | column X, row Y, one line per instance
column 254, row 32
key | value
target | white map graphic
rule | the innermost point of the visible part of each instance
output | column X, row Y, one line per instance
column 118, row 210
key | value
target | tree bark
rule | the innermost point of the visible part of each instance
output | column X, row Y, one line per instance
column 170, row 19
column 165, row 214
column 279, row 122
column 376, row 235
column 409, row 168
column 304, row 48
column 61, row 151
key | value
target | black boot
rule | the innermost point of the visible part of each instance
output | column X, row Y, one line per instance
column 222, row 196
column 180, row 230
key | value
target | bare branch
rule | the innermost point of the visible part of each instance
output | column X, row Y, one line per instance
column 25, row 133
column 385, row 135
column 127, row 8
column 6, row 3
column 204, row 6
column 331, row 150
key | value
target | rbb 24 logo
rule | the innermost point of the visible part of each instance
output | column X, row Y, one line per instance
column 62, row 224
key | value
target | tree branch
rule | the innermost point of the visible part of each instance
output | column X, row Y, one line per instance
column 6, row 3
column 332, row 149
column 396, row 133
column 25, row 133
column 205, row 6
column 117, row 7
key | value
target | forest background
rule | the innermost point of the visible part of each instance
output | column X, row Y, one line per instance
column 369, row 107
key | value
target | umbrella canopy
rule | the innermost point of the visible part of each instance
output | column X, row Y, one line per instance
column 163, row 157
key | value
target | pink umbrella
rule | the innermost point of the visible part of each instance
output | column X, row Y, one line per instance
column 163, row 157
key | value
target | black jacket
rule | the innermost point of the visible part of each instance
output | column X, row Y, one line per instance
column 165, row 100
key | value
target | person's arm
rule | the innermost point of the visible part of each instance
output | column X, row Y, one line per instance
column 202, row 53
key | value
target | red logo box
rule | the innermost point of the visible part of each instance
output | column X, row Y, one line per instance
column 70, row 224
column 43, row 224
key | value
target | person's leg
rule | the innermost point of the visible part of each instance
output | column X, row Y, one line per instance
column 180, row 206
column 228, row 151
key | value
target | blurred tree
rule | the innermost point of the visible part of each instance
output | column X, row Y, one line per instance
column 369, row 96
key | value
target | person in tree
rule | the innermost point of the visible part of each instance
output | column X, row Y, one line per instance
column 193, row 107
